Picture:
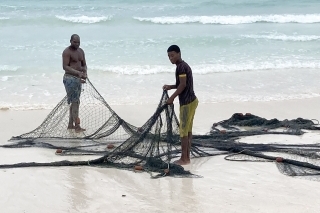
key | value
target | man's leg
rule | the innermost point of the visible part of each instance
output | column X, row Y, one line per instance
column 184, row 152
column 70, row 125
column 67, row 82
column 76, row 104
column 189, row 145
column 75, row 111
column 183, row 136
column 75, row 115
column 192, row 111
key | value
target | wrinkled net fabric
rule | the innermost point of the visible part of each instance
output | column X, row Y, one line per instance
column 155, row 145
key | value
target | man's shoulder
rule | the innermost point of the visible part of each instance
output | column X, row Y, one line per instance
column 183, row 62
column 66, row 50
column 184, row 66
column 81, row 50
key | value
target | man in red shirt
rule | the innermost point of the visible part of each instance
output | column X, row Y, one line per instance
column 187, row 100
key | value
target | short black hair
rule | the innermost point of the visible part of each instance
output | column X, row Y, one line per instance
column 174, row 48
column 74, row 35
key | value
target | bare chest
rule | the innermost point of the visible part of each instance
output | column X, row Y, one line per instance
column 76, row 56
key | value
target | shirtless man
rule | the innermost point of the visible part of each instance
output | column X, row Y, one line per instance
column 75, row 67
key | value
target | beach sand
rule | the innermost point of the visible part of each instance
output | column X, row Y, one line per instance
column 225, row 186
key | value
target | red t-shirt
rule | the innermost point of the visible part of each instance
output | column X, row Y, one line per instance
column 187, row 95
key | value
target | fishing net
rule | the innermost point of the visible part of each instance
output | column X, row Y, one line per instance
column 154, row 146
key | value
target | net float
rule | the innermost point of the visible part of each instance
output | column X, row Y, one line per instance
column 110, row 146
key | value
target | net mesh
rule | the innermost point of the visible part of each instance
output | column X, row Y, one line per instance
column 156, row 144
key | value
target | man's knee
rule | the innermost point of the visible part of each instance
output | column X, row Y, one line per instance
column 183, row 133
column 75, row 102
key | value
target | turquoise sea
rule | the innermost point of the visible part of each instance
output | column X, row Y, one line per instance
column 239, row 50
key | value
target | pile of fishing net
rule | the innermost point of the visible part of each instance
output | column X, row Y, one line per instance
column 154, row 146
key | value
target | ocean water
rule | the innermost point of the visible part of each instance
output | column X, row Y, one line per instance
column 239, row 50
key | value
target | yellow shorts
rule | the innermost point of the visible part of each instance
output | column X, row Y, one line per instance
column 186, row 117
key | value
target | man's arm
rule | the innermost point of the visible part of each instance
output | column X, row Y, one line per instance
column 169, row 87
column 181, row 87
column 66, row 62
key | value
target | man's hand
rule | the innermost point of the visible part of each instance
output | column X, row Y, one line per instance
column 82, row 75
column 83, row 69
column 170, row 100
column 166, row 87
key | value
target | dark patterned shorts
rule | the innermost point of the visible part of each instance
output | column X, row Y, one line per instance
column 73, row 88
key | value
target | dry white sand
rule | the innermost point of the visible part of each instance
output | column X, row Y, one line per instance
column 224, row 187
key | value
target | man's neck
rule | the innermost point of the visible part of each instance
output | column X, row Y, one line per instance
column 179, row 61
column 72, row 48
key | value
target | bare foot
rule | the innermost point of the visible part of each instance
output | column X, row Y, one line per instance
column 79, row 129
column 71, row 127
column 182, row 162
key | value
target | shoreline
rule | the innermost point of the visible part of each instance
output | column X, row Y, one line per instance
column 206, row 114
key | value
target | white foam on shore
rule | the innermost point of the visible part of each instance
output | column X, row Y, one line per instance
column 233, row 20
column 283, row 37
column 8, row 68
column 85, row 19
column 25, row 106
column 209, row 68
